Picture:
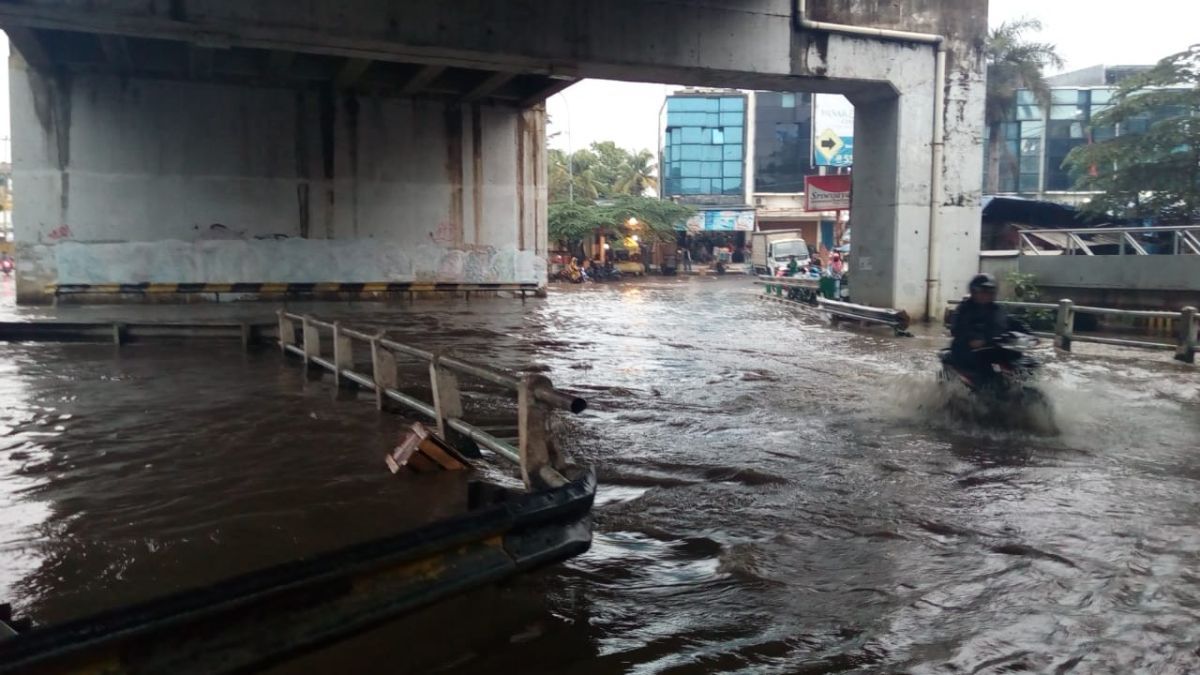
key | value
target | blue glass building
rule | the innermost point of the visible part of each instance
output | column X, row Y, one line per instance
column 704, row 140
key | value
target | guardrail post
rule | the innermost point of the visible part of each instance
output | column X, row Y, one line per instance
column 383, row 366
column 287, row 331
column 447, row 402
column 538, row 454
column 312, row 341
column 1064, row 327
column 1187, row 336
column 343, row 356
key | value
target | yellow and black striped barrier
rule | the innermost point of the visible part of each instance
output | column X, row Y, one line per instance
column 267, row 288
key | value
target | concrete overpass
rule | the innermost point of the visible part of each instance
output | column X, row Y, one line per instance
column 219, row 141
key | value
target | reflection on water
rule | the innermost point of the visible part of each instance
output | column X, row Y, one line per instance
column 777, row 496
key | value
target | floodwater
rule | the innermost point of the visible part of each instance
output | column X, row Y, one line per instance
column 777, row 496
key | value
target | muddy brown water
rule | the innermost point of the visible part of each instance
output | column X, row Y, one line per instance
column 777, row 496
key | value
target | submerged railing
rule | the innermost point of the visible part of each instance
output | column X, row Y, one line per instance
column 539, row 460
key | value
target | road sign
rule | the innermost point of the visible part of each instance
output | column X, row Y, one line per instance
column 833, row 127
column 828, row 145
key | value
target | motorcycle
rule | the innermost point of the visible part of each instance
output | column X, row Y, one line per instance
column 1005, row 382
column 606, row 272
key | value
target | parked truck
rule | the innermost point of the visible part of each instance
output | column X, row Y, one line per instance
column 771, row 251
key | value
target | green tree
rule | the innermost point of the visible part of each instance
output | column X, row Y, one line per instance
column 1014, row 62
column 582, row 171
column 638, row 175
column 572, row 222
column 602, row 171
column 1154, row 173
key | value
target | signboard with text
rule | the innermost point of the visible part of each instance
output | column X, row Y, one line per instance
column 721, row 221
column 827, row 193
column 833, row 130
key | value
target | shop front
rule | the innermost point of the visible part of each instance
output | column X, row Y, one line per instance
column 717, row 234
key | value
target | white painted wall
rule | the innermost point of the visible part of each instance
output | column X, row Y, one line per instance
column 123, row 182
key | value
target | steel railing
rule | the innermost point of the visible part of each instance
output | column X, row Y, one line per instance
column 1184, row 239
column 539, row 460
column 1064, row 326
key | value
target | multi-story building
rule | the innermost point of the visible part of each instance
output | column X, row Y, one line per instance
column 1029, row 160
column 741, row 159
column 704, row 148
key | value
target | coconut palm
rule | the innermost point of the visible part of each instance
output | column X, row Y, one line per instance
column 639, row 174
column 1013, row 63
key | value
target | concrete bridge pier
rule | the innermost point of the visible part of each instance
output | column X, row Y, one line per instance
column 222, row 142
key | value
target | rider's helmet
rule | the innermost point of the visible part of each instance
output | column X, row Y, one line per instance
column 984, row 281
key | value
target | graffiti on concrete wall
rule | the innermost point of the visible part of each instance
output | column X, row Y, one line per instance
column 60, row 233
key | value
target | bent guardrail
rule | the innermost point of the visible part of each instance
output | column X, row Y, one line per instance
column 808, row 291
column 248, row 622
column 540, row 461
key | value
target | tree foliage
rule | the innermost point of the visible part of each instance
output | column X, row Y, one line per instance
column 571, row 222
column 1156, row 173
column 602, row 171
column 1014, row 62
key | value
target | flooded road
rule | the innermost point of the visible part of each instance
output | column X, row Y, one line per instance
column 776, row 496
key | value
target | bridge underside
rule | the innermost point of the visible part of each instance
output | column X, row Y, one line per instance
column 212, row 141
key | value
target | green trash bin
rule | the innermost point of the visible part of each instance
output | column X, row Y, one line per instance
column 828, row 288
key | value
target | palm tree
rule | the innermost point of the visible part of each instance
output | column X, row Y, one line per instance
column 1013, row 63
column 639, row 174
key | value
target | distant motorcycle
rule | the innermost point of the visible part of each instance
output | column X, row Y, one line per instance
column 606, row 272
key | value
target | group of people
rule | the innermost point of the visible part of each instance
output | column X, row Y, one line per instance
column 577, row 272
column 814, row 267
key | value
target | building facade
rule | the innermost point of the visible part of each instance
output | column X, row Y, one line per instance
column 704, row 156
column 741, row 159
column 1029, row 158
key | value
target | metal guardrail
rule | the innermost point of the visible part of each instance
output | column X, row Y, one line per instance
column 1064, row 326
column 540, row 462
column 251, row 621
column 807, row 291
column 1185, row 239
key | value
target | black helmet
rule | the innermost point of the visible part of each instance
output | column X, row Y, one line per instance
column 983, row 281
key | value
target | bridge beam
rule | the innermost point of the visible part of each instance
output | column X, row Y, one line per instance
column 336, row 185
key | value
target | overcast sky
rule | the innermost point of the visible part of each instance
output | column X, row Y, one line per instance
column 1087, row 32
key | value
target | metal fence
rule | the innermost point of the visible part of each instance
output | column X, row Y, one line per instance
column 539, row 460
column 1176, row 240
column 1064, row 326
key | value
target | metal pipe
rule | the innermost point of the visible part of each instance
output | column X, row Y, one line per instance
column 1123, row 343
column 414, row 403
column 1025, row 305
column 937, row 147
column 485, row 439
column 933, row 281
column 551, row 397
column 1116, row 230
column 1139, row 313
column 847, row 29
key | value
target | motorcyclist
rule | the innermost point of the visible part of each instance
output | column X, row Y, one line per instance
column 978, row 323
